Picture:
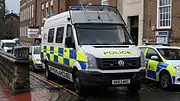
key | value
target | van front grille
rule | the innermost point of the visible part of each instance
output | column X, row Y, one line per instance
column 112, row 64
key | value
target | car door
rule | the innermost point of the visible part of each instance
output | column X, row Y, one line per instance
column 152, row 58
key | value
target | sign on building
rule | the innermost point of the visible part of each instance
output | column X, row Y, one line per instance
column 33, row 32
column 162, row 37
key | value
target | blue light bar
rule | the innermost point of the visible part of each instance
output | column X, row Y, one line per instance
column 86, row 7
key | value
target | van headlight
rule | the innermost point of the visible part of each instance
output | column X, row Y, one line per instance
column 91, row 61
column 143, row 64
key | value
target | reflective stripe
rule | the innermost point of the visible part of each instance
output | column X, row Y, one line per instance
column 171, row 70
column 64, row 56
column 60, row 60
column 157, row 67
column 81, row 56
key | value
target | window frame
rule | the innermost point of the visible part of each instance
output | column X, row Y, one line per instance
column 158, row 16
column 53, row 35
column 159, row 56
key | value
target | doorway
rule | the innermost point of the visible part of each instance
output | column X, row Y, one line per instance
column 134, row 27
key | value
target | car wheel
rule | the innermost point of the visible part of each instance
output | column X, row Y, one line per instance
column 134, row 87
column 32, row 66
column 79, row 88
column 165, row 80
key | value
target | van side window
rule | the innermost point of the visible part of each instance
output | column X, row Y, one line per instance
column 51, row 35
column 59, row 34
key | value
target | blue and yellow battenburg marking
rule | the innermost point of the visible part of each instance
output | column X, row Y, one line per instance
column 64, row 56
column 158, row 66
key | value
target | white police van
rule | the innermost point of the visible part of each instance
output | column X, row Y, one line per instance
column 90, row 46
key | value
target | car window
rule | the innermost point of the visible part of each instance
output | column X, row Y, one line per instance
column 151, row 52
column 59, row 35
column 51, row 35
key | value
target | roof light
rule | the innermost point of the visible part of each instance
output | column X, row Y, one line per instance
column 89, row 7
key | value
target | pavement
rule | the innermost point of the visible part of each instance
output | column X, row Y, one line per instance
column 62, row 90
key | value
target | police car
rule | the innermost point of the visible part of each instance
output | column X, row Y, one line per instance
column 90, row 46
column 162, row 64
column 35, row 58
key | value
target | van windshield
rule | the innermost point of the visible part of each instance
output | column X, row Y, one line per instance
column 36, row 50
column 9, row 44
column 102, row 34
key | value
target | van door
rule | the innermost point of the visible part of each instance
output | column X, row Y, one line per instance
column 70, row 49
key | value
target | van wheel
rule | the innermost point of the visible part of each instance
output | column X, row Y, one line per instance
column 165, row 80
column 134, row 87
column 48, row 74
column 79, row 88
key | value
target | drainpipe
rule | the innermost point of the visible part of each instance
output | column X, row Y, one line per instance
column 35, row 16
column 58, row 6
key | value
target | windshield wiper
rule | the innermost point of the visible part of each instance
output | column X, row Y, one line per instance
column 126, row 43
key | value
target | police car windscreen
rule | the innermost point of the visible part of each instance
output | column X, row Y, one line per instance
column 102, row 34
column 37, row 50
column 169, row 53
column 9, row 44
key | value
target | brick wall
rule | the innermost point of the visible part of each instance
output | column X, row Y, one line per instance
column 175, row 36
column 150, row 18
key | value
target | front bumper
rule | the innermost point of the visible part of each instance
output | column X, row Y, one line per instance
column 177, row 79
column 38, row 66
column 105, row 79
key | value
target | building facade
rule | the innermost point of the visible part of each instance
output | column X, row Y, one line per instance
column 27, row 18
column 11, row 27
column 154, row 21
column 162, row 22
column 2, row 11
column 34, row 12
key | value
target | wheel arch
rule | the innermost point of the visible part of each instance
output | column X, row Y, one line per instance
column 164, row 71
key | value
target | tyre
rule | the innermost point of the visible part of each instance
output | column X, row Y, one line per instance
column 134, row 87
column 79, row 88
column 165, row 80
column 32, row 66
column 48, row 74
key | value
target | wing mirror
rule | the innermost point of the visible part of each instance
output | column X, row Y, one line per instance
column 69, row 43
column 154, row 58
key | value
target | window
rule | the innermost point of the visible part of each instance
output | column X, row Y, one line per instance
column 37, row 50
column 102, row 34
column 164, row 13
column 69, row 31
column 59, row 34
column 170, row 53
column 51, row 35
column 151, row 52
column 51, row 10
column 32, row 11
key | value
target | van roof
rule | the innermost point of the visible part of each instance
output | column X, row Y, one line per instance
column 89, row 14
column 9, row 41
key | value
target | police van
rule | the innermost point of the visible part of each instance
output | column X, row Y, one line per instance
column 90, row 46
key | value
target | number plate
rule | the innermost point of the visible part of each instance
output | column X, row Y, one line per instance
column 116, row 82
